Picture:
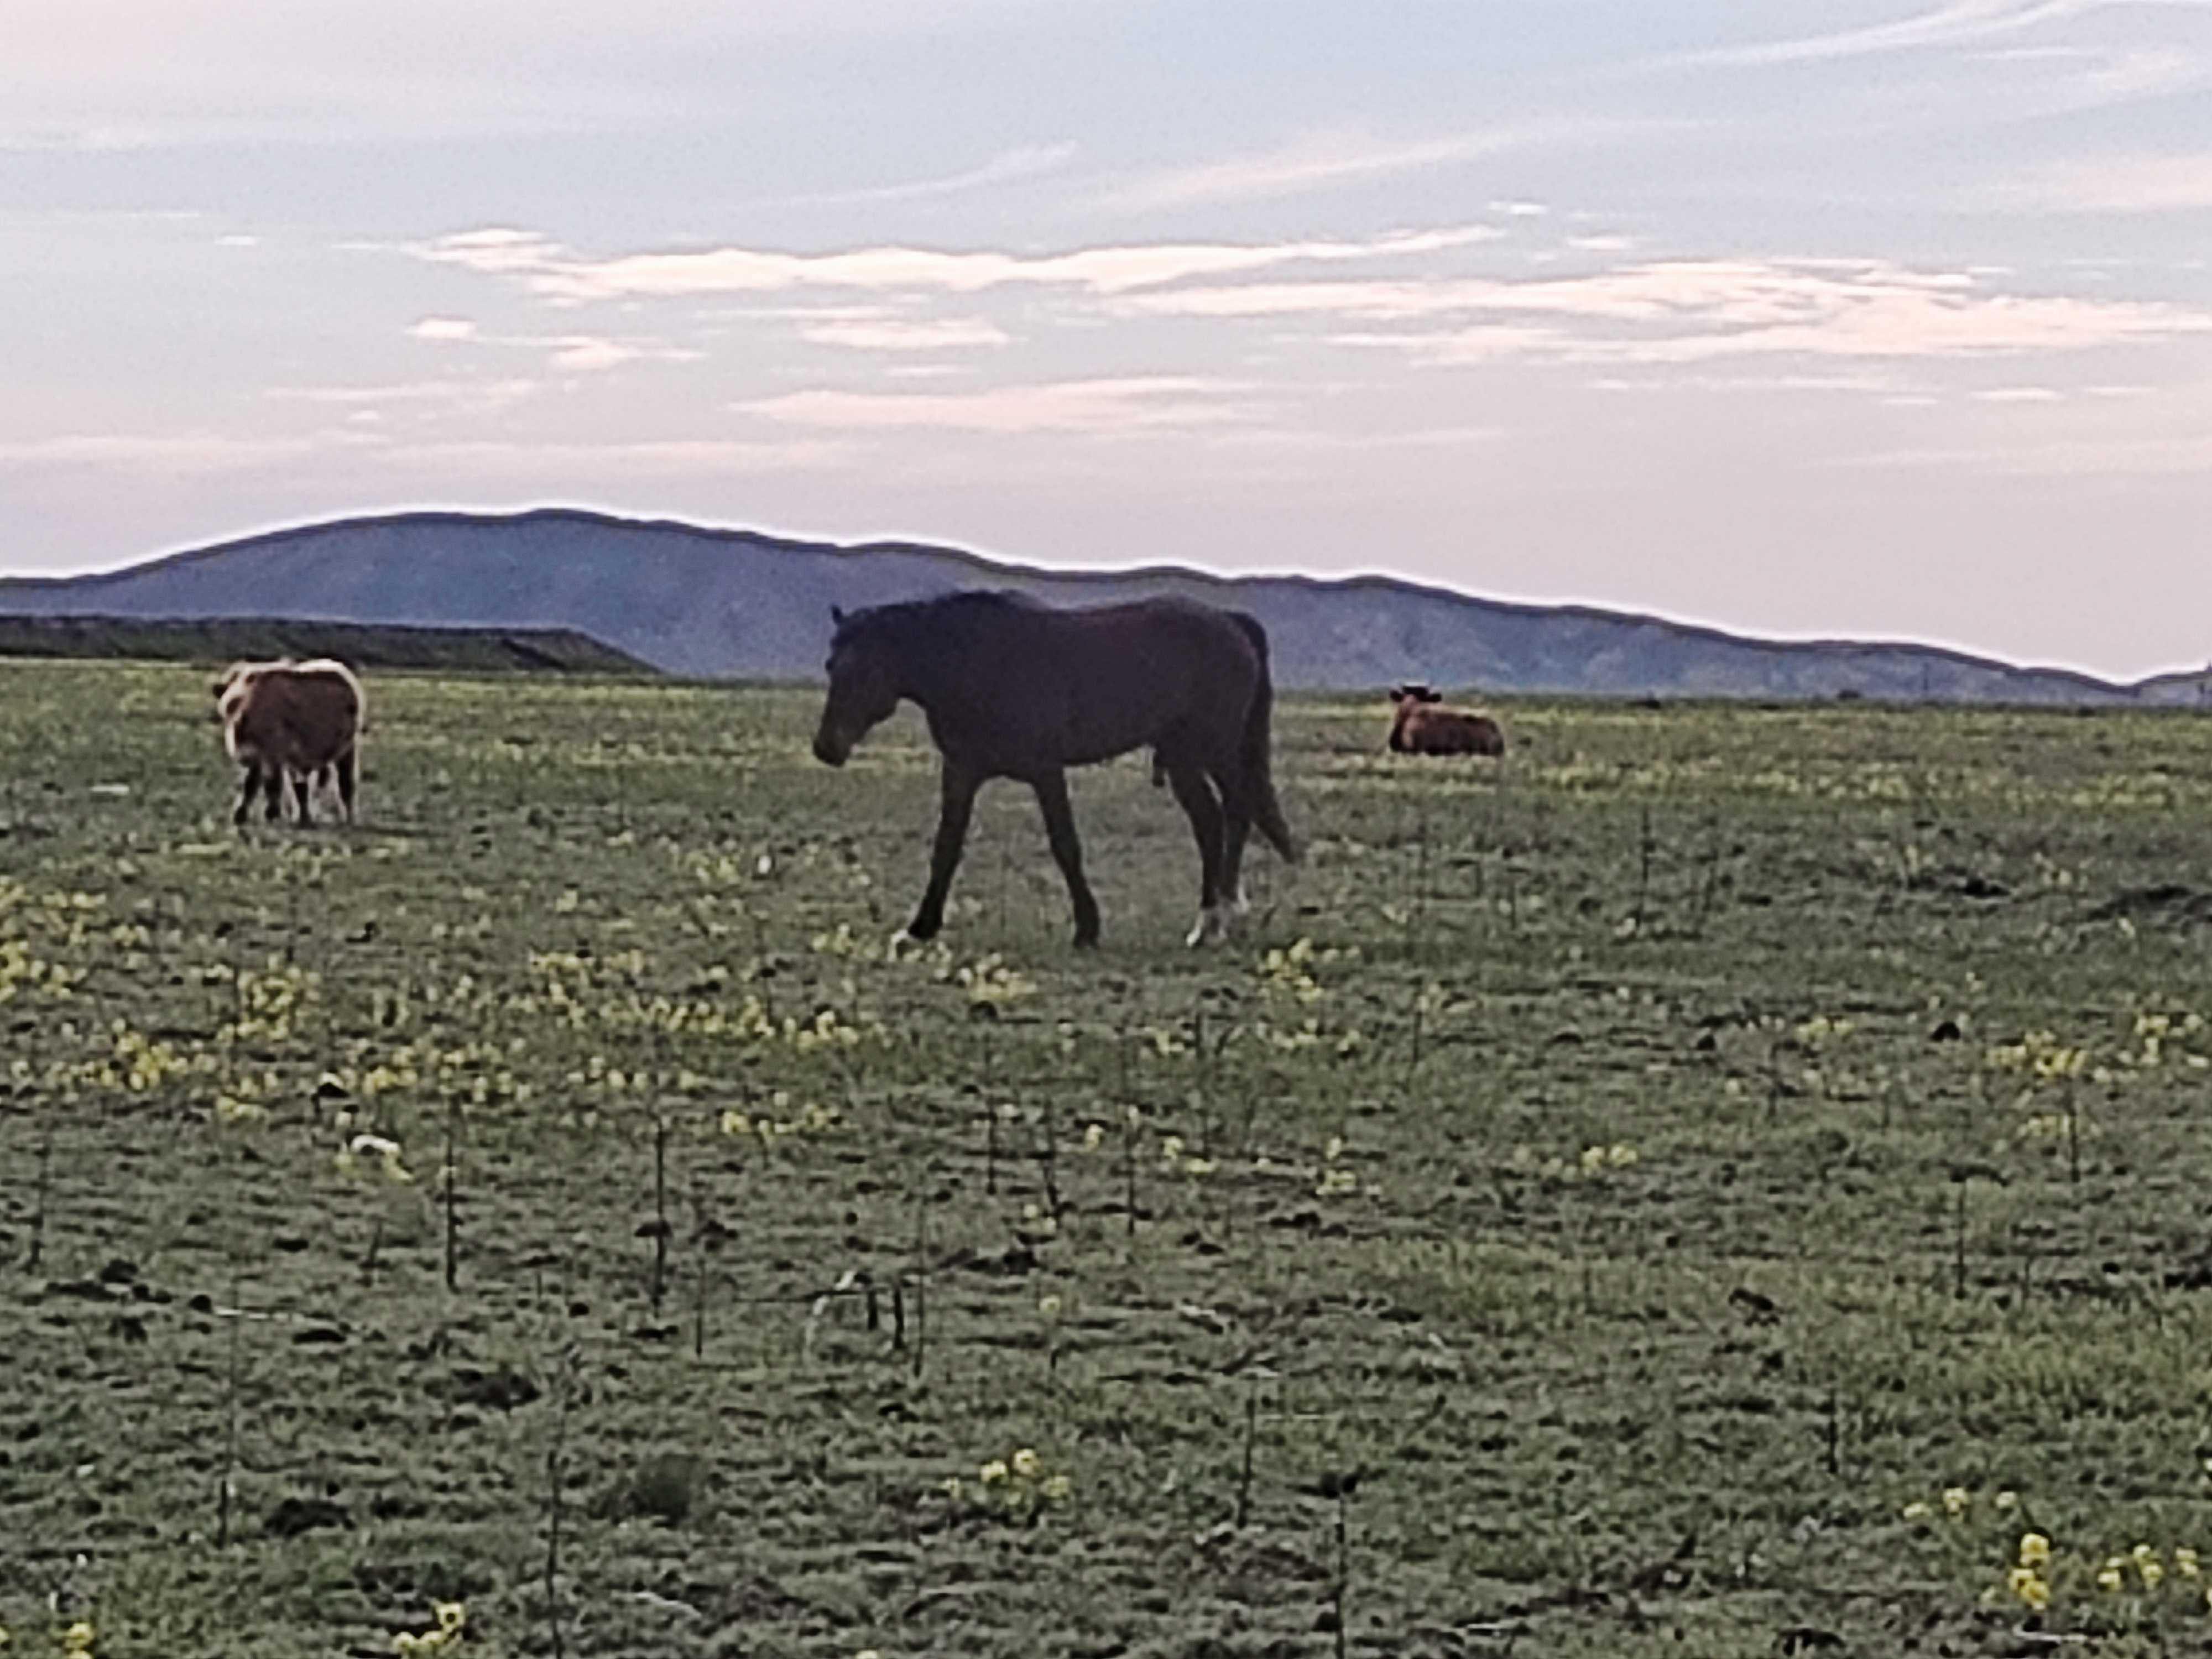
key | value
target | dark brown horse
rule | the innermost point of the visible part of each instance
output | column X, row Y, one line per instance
column 1013, row 689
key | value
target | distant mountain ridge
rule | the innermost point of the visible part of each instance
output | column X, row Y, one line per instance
column 733, row 603
column 364, row 645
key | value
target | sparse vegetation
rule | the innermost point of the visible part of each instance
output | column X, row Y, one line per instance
column 1820, row 1254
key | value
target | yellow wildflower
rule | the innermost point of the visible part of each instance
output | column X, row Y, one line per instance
column 77, row 1638
column 2184, row 1562
column 1094, row 1136
column 2110, row 1577
column 1056, row 1488
column 2149, row 1564
column 2034, row 1550
column 1027, row 1463
column 1048, row 1307
column 994, row 1471
column 2006, row 1502
column 1917, row 1511
column 2033, row 1591
column 449, row 1615
column 1955, row 1500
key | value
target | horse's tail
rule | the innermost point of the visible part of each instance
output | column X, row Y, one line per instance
column 1258, row 767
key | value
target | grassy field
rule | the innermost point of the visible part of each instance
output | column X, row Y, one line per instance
column 1709, row 1187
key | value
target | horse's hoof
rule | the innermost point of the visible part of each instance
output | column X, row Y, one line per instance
column 1212, row 925
column 899, row 941
column 1086, row 941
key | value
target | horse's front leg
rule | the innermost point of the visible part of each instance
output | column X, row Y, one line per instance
column 1067, row 851
column 956, row 798
column 249, row 786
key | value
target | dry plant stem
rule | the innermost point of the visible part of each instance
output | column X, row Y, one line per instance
column 230, row 1428
column 452, row 1192
column 1421, row 883
column 1644, row 866
column 553, row 1520
column 1049, row 1157
column 1959, row 1244
column 659, row 1211
column 699, row 1308
column 1835, row 1433
column 1343, row 1567
column 31, row 1256
column 1129, row 1178
column 990, row 1115
column 921, row 1273
column 1244, row 1471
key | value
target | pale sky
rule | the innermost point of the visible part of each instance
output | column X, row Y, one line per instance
column 1883, row 317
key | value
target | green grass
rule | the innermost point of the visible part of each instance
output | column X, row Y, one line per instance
column 1671, row 1397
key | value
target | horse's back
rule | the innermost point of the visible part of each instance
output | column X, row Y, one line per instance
column 1083, row 684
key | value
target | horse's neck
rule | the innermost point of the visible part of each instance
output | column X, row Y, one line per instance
column 939, row 679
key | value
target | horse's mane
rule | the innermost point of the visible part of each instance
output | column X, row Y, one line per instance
column 944, row 615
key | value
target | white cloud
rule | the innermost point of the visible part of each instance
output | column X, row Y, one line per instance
column 1097, row 407
column 590, row 353
column 1338, row 159
column 2019, row 394
column 1945, row 25
column 1023, row 162
column 556, row 273
column 2133, row 184
column 1683, row 311
column 169, row 454
column 442, row 328
column 476, row 395
column 905, row 334
column 641, row 458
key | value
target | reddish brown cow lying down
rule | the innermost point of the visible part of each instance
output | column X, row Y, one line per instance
column 296, row 720
column 1423, row 727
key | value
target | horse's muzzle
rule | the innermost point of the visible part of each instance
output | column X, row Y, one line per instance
column 828, row 751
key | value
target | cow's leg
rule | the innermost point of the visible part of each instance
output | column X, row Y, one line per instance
column 1196, row 795
column 303, row 794
column 1067, row 851
column 346, row 782
column 249, row 786
column 956, row 799
column 272, row 790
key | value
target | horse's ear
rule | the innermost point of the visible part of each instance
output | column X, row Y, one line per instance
column 837, row 615
column 1428, row 696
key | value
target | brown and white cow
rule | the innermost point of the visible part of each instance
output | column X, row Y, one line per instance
column 296, row 720
column 1423, row 726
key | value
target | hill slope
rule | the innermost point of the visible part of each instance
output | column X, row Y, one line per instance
column 735, row 603
column 364, row 645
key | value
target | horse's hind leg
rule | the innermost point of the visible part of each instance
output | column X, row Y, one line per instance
column 1067, row 851
column 303, row 789
column 1197, row 797
column 345, row 769
column 957, row 799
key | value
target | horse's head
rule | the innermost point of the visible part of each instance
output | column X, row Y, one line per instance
column 863, row 686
